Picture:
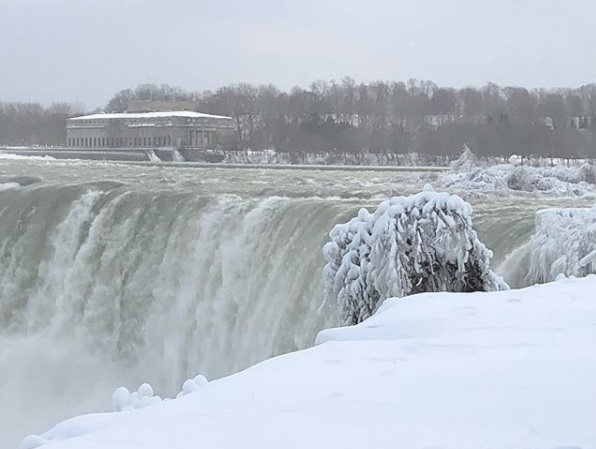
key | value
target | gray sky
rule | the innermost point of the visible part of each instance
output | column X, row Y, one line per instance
column 86, row 50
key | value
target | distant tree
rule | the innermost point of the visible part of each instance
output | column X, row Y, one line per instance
column 119, row 102
column 392, row 117
column 472, row 102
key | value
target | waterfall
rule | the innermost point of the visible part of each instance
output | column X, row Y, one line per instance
column 164, row 274
column 107, row 287
column 177, row 156
column 152, row 156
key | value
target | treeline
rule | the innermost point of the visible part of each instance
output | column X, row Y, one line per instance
column 35, row 124
column 397, row 118
column 347, row 117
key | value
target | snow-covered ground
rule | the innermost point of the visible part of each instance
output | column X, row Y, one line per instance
column 511, row 369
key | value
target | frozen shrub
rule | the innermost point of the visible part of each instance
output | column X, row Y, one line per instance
column 415, row 244
column 564, row 244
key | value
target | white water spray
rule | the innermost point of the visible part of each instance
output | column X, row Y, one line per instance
column 126, row 287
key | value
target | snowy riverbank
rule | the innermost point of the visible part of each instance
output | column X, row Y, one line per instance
column 514, row 369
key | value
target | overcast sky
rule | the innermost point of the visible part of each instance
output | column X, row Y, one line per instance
column 86, row 50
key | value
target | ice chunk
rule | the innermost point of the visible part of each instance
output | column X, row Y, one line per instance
column 120, row 399
column 145, row 390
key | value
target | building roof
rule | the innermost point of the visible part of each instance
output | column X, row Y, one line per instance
column 149, row 115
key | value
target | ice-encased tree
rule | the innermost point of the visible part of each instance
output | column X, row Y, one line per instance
column 564, row 244
column 420, row 243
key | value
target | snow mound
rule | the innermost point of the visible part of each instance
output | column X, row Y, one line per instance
column 122, row 401
column 563, row 245
column 467, row 174
column 70, row 429
column 414, row 244
column 512, row 369
column 191, row 385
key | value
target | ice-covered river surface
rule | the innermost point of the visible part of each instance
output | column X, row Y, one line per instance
column 115, row 274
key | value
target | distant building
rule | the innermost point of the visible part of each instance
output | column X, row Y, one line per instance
column 150, row 125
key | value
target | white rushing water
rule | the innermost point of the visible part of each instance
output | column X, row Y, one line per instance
column 115, row 274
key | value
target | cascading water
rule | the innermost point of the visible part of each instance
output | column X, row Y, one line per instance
column 102, row 287
column 177, row 156
column 170, row 272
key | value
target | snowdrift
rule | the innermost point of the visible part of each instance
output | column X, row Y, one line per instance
column 514, row 369
column 564, row 244
column 420, row 243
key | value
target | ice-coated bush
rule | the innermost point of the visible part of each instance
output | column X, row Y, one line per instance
column 420, row 243
column 564, row 244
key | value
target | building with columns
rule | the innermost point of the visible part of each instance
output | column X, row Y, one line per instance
column 179, row 129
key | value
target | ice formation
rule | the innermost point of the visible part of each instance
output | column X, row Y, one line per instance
column 421, row 243
column 564, row 244
column 191, row 385
column 122, row 401
column 468, row 174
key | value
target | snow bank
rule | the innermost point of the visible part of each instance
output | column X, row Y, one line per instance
column 514, row 369
column 122, row 401
column 414, row 244
column 467, row 174
column 564, row 244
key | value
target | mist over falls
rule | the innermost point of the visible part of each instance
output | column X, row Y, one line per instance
column 158, row 276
